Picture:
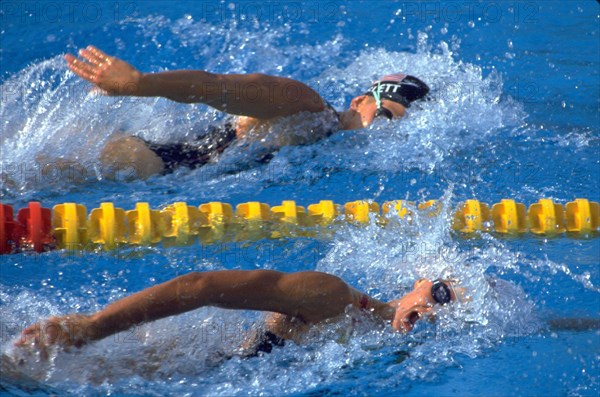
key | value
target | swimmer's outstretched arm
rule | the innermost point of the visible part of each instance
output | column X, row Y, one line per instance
column 254, row 95
column 310, row 297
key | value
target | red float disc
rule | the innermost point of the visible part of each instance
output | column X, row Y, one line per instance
column 5, row 218
column 35, row 226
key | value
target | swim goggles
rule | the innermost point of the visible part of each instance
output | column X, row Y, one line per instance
column 440, row 292
column 381, row 111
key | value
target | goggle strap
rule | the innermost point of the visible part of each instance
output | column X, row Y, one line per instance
column 377, row 96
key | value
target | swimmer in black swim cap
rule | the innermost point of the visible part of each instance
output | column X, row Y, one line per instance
column 273, row 98
column 388, row 97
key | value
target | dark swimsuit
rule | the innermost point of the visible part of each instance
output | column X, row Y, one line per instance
column 197, row 153
column 265, row 343
column 205, row 147
column 266, row 340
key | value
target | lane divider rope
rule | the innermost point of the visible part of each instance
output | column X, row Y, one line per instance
column 68, row 226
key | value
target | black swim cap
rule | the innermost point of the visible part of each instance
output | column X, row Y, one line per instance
column 400, row 88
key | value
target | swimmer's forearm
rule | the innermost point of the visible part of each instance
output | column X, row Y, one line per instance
column 173, row 297
column 186, row 86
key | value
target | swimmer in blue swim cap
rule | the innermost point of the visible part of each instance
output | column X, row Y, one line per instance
column 257, row 101
column 295, row 302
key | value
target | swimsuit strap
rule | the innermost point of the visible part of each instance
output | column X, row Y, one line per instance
column 196, row 153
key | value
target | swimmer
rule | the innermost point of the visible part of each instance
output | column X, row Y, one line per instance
column 257, row 100
column 295, row 302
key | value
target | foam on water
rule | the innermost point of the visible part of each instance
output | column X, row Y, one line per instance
column 51, row 111
column 183, row 354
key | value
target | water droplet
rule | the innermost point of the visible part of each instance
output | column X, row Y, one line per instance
column 471, row 24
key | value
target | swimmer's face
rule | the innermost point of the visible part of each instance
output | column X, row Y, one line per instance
column 365, row 107
column 412, row 306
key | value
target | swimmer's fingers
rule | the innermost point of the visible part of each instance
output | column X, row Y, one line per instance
column 99, row 54
column 27, row 335
column 65, row 331
column 40, row 337
column 100, row 91
column 114, row 76
column 32, row 339
column 80, row 68
column 91, row 57
column 41, row 334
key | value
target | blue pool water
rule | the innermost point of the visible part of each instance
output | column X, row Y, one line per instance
column 515, row 115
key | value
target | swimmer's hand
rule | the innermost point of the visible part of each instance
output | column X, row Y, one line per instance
column 66, row 331
column 111, row 75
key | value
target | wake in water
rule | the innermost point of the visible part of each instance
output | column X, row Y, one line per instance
column 382, row 261
column 51, row 114
column 50, row 111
